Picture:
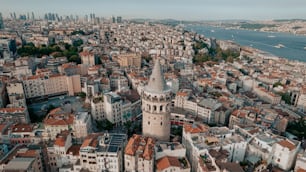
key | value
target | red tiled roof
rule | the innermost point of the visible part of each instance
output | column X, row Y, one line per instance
column 167, row 162
column 11, row 110
column 22, row 128
column 74, row 150
column 287, row 144
column 195, row 128
column 145, row 145
column 58, row 117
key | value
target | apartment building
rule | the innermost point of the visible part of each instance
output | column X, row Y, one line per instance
column 16, row 94
column 22, row 158
column 56, row 121
column 14, row 114
column 129, row 60
column 82, row 125
column 284, row 153
column 139, row 154
column 97, row 108
column 88, row 58
column 267, row 96
column 199, row 139
column 202, row 108
column 103, row 152
column 49, row 85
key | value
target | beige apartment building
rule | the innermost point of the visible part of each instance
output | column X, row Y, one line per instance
column 44, row 85
column 88, row 58
column 129, row 60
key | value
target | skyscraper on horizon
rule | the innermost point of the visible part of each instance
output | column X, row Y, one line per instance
column 1, row 22
column 156, row 103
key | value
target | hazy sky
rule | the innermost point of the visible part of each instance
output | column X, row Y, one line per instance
column 161, row 9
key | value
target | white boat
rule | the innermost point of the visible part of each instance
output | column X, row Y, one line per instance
column 304, row 48
column 271, row 36
column 279, row 46
column 212, row 31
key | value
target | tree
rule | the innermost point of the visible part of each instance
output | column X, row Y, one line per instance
column 104, row 125
column 75, row 58
column 82, row 95
column 286, row 97
column 297, row 128
column 77, row 43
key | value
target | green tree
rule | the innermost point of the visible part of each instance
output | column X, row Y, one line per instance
column 75, row 58
column 104, row 125
column 276, row 84
column 82, row 95
column 297, row 128
column 286, row 97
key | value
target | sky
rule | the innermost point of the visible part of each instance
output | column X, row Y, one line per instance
column 163, row 9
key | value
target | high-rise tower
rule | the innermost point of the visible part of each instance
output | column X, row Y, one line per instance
column 1, row 22
column 156, row 103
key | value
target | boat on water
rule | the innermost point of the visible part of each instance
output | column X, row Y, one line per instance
column 279, row 46
column 271, row 36
column 212, row 30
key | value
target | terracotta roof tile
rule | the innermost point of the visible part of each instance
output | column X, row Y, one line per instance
column 143, row 145
column 28, row 153
column 12, row 110
column 287, row 144
column 167, row 162
column 59, row 117
column 21, row 128
column 74, row 150
column 195, row 128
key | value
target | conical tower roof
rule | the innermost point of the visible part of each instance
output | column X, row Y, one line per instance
column 157, row 83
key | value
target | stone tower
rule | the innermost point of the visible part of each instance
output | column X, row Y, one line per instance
column 156, row 103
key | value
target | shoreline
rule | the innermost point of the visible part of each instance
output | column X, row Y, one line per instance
column 289, row 58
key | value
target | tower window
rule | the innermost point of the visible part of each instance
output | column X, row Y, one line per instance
column 161, row 123
column 161, row 108
column 148, row 122
column 154, row 108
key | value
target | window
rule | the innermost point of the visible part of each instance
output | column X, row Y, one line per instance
column 148, row 122
column 161, row 108
column 161, row 123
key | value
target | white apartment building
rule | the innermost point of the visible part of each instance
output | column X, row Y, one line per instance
column 112, row 107
column 300, row 163
column 103, row 152
column 139, row 154
column 61, row 145
column 203, row 108
column 173, row 149
column 200, row 139
column 82, row 125
column 284, row 153
column 97, row 108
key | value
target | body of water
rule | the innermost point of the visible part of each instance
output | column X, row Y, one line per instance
column 284, row 45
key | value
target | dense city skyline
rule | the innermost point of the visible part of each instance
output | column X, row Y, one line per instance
column 184, row 10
